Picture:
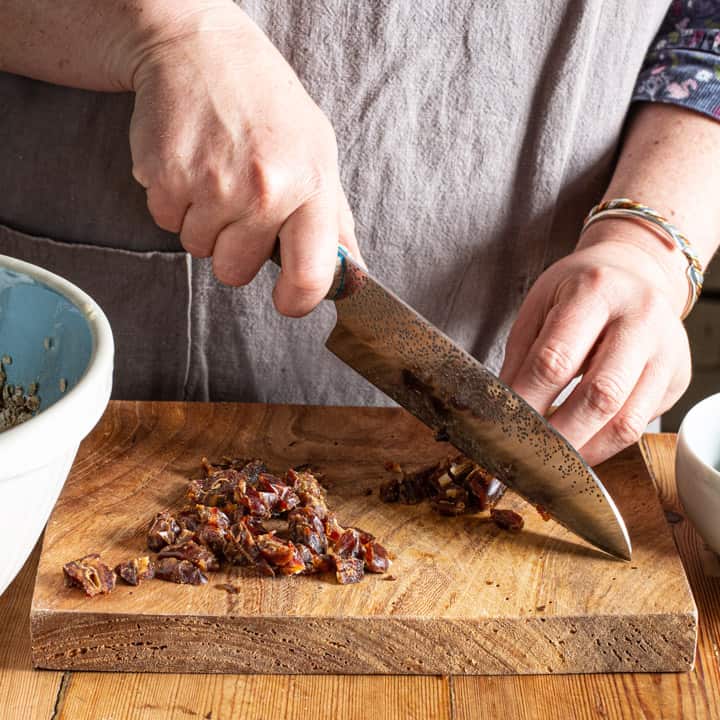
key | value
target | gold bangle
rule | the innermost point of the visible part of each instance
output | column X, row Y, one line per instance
column 622, row 207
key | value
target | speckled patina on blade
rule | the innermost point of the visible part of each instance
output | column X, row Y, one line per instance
column 422, row 369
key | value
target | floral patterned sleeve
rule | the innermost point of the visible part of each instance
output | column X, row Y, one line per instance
column 682, row 66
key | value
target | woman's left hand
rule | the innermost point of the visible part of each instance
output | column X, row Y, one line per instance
column 609, row 312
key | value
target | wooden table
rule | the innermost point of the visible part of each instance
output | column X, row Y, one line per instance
column 25, row 693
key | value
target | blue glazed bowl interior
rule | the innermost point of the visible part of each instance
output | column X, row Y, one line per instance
column 46, row 335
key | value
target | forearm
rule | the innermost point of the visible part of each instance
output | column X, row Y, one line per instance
column 91, row 44
column 670, row 161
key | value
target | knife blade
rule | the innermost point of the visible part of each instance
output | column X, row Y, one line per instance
column 424, row 371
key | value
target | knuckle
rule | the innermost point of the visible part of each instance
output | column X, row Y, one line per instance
column 158, row 170
column 654, row 305
column 141, row 174
column 197, row 246
column 594, row 278
column 628, row 427
column 604, row 395
column 230, row 274
column 196, row 250
column 215, row 182
column 147, row 167
column 267, row 184
column 552, row 365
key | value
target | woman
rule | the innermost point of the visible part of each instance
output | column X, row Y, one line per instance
column 472, row 143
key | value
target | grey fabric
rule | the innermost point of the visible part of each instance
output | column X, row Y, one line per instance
column 473, row 139
column 65, row 167
column 146, row 298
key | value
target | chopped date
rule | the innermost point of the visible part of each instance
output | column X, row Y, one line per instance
column 307, row 528
column 179, row 571
column 275, row 550
column 348, row 544
column 348, row 570
column 282, row 497
column 447, row 506
column 454, row 486
column 390, row 491
column 213, row 537
column 252, row 470
column 91, row 574
column 295, row 566
column 507, row 519
column 224, row 524
column 254, row 525
column 240, row 546
column 542, row 511
column 164, row 530
column 134, row 571
column 256, row 503
column 212, row 516
column 375, row 557
column 333, row 529
column 282, row 554
column 188, row 520
column 322, row 564
column 309, row 490
column 192, row 552
column 479, row 483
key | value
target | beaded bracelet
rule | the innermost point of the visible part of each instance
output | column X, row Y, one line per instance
column 622, row 207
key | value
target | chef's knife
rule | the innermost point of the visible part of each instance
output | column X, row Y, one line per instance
column 422, row 369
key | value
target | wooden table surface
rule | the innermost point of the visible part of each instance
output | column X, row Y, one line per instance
column 26, row 693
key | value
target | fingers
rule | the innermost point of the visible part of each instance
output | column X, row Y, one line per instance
column 522, row 335
column 607, row 383
column 240, row 251
column 629, row 423
column 239, row 247
column 567, row 337
column 201, row 227
column 663, row 380
column 168, row 211
column 308, row 249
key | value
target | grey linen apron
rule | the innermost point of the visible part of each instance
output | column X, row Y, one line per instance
column 473, row 138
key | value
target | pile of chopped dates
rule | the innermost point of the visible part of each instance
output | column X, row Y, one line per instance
column 223, row 524
column 16, row 405
column 454, row 486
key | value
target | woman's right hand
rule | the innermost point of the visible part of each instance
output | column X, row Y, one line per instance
column 233, row 153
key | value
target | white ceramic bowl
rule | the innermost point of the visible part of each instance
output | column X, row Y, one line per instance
column 697, row 468
column 58, row 337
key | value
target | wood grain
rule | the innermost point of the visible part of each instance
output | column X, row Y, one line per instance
column 24, row 693
column 88, row 696
column 689, row 695
column 469, row 598
column 131, row 696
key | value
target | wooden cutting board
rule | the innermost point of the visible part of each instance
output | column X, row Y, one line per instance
column 468, row 598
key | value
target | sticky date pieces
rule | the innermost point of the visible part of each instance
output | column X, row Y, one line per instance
column 190, row 551
column 179, row 571
column 507, row 519
column 91, row 574
column 163, row 531
column 134, row 571
column 348, row 570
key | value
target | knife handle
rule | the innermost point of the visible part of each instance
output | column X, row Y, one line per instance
column 341, row 264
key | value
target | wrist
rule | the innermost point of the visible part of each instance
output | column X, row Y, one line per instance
column 150, row 26
column 641, row 248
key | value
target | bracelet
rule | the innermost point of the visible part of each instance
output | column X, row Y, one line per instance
column 622, row 207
